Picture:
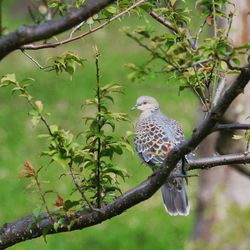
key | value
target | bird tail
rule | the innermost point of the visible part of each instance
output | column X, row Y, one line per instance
column 175, row 200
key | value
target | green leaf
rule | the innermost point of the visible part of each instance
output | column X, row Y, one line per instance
column 224, row 65
column 58, row 223
column 39, row 106
column 8, row 78
column 53, row 128
column 35, row 120
column 43, row 136
column 111, row 9
column 64, row 162
column 36, row 211
column 236, row 61
column 117, row 149
column 68, row 204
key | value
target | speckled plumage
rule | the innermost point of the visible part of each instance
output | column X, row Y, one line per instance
column 155, row 135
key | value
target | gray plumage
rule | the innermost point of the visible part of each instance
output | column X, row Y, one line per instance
column 155, row 135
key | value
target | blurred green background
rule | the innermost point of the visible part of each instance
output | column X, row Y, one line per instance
column 145, row 226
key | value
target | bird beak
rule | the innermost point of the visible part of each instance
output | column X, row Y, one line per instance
column 134, row 108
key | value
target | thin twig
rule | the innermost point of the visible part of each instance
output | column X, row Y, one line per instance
column 98, row 156
column 33, row 106
column 196, row 40
column 78, row 186
column 172, row 28
column 200, row 93
column 42, row 196
column 34, row 61
column 76, row 28
column 71, row 39
column 230, row 22
column 154, row 53
column 163, row 21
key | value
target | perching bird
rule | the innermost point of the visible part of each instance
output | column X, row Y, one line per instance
column 155, row 135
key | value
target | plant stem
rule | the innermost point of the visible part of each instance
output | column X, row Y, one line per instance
column 78, row 187
column 42, row 196
column 98, row 160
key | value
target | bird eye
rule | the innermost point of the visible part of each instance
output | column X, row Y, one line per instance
column 144, row 103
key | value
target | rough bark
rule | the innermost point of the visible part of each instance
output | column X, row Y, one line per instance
column 30, row 34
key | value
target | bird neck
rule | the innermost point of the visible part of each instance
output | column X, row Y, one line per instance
column 149, row 112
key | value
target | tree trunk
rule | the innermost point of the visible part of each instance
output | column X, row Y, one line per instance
column 223, row 197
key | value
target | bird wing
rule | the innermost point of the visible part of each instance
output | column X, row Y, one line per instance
column 154, row 140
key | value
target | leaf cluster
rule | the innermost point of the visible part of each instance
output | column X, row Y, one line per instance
column 88, row 159
column 197, row 61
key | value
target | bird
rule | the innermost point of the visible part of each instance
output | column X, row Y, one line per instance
column 155, row 135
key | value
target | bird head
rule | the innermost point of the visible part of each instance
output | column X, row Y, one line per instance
column 146, row 103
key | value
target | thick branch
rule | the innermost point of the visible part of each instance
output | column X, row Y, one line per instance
column 219, row 160
column 21, row 230
column 71, row 39
column 25, row 35
column 231, row 126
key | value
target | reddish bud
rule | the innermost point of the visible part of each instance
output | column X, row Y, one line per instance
column 209, row 20
column 59, row 202
column 28, row 166
column 28, row 170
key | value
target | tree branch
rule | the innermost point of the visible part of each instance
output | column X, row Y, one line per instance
column 219, row 160
column 23, row 229
column 163, row 21
column 30, row 34
column 171, row 27
column 26, row 228
column 71, row 39
column 231, row 126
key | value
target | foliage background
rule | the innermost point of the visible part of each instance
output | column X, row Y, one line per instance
column 142, row 227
